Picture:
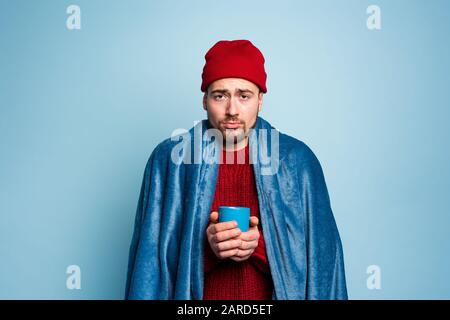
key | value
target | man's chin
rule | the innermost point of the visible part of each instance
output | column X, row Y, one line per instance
column 232, row 135
column 233, row 140
column 233, row 132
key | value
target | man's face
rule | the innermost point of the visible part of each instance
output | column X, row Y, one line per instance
column 232, row 105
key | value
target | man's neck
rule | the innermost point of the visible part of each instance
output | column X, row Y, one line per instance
column 235, row 147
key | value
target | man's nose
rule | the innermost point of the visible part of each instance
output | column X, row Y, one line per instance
column 232, row 108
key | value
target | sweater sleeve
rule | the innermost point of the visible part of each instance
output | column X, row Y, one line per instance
column 259, row 256
column 210, row 259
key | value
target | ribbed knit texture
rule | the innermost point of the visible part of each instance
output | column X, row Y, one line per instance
column 227, row 279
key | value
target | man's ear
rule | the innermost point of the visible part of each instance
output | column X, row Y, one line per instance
column 204, row 100
column 260, row 101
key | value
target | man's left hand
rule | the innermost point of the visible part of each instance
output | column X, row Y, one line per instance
column 249, row 241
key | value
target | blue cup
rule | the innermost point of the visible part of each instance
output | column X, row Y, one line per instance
column 239, row 214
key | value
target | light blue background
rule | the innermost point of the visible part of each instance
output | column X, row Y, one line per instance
column 82, row 110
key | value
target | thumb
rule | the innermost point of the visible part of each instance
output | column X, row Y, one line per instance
column 214, row 217
column 254, row 221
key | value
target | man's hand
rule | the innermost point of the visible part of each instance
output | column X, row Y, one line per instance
column 227, row 241
column 222, row 237
column 249, row 241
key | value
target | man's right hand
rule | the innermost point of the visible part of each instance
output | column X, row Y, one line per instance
column 222, row 236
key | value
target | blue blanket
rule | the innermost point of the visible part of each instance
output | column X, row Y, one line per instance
column 302, row 240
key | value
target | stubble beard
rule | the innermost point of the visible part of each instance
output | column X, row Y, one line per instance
column 234, row 136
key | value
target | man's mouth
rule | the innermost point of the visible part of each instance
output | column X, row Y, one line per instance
column 231, row 125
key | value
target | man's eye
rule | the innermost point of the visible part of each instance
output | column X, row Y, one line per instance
column 244, row 97
column 218, row 97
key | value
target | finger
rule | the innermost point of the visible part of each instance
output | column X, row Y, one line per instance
column 238, row 259
column 210, row 231
column 214, row 217
column 251, row 235
column 226, row 235
column 227, row 254
column 222, row 226
column 228, row 245
column 244, row 253
column 254, row 221
column 209, row 234
column 246, row 245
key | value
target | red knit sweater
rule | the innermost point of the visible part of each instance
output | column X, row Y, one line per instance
column 227, row 279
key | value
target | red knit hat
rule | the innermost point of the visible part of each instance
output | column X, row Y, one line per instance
column 234, row 59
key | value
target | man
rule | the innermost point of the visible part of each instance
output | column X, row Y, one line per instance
column 179, row 249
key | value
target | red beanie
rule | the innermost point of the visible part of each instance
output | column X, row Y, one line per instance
column 234, row 59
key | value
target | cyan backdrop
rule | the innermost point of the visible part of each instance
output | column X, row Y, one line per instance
column 81, row 111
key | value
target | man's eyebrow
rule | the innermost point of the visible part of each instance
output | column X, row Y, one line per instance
column 219, row 91
column 245, row 91
column 223, row 91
